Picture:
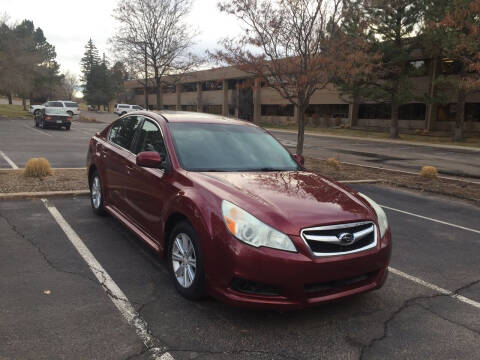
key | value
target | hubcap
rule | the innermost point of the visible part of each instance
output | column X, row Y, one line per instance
column 96, row 192
column 184, row 260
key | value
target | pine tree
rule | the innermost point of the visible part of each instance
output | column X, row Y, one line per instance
column 394, row 24
column 90, row 64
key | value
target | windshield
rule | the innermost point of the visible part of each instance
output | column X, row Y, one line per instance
column 221, row 147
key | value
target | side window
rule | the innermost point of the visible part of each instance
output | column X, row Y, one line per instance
column 150, row 139
column 123, row 131
column 136, row 107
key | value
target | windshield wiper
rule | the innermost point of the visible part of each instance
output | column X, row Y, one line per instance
column 266, row 169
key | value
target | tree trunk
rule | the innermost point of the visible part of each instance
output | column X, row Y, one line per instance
column 460, row 116
column 9, row 96
column 355, row 107
column 394, row 120
column 300, row 115
column 158, row 91
column 24, row 103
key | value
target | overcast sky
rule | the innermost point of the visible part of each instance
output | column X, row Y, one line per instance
column 69, row 24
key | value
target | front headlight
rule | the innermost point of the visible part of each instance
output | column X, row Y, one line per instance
column 381, row 216
column 249, row 229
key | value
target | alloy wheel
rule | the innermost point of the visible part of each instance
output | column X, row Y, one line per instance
column 96, row 192
column 184, row 260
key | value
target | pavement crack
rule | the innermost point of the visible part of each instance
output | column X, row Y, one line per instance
column 275, row 355
column 44, row 256
column 412, row 302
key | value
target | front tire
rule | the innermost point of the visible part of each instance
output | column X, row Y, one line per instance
column 185, row 261
column 96, row 195
column 70, row 113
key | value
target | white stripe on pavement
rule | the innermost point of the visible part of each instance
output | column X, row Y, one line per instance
column 434, row 220
column 8, row 160
column 436, row 288
column 111, row 288
column 38, row 131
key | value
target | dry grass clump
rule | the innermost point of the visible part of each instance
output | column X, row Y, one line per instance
column 334, row 163
column 37, row 167
column 429, row 172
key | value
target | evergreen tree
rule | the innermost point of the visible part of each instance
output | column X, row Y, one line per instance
column 90, row 65
column 394, row 24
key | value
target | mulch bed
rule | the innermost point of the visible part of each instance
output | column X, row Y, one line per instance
column 13, row 181
column 458, row 189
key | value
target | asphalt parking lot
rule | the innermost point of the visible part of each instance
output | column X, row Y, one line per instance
column 456, row 162
column 20, row 141
column 428, row 309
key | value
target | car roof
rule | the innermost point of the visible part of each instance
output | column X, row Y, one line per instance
column 195, row 117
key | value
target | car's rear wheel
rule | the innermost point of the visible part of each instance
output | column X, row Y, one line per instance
column 70, row 113
column 96, row 195
column 186, row 266
column 123, row 113
column 67, row 127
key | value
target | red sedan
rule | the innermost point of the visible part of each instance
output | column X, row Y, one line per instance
column 237, row 216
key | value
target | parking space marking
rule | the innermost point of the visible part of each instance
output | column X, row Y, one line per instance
column 431, row 219
column 8, row 160
column 436, row 288
column 112, row 290
column 38, row 131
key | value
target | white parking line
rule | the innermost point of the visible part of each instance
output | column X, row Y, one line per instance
column 436, row 288
column 36, row 130
column 431, row 219
column 111, row 288
column 8, row 160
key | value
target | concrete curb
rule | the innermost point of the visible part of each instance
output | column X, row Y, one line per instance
column 21, row 169
column 402, row 142
column 41, row 194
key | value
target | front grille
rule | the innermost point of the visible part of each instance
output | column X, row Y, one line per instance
column 340, row 239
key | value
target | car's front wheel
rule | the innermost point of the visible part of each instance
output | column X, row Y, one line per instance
column 96, row 196
column 186, row 266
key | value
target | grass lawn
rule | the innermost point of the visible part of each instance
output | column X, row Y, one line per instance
column 13, row 111
column 443, row 140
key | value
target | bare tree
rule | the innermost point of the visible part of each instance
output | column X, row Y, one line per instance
column 285, row 44
column 153, row 38
column 68, row 86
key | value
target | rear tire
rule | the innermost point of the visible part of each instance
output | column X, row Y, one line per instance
column 96, row 194
column 70, row 113
column 185, row 262
column 67, row 127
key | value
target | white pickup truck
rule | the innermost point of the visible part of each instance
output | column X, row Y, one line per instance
column 70, row 107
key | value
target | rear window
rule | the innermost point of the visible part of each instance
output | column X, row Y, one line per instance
column 71, row 104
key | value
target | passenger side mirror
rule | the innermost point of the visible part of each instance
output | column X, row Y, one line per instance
column 149, row 159
column 299, row 159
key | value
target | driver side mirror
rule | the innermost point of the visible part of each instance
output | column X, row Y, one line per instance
column 299, row 159
column 149, row 159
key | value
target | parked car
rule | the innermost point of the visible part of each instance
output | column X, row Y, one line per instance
column 236, row 215
column 52, row 116
column 70, row 107
column 122, row 109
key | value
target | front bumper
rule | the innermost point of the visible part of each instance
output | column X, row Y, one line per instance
column 296, row 280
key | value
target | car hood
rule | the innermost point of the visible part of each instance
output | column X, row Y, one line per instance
column 287, row 201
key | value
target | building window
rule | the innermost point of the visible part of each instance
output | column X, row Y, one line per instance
column 472, row 112
column 417, row 68
column 139, row 91
column 414, row 111
column 212, row 85
column 328, row 110
column 189, row 87
column 448, row 66
column 189, row 107
column 277, row 110
column 169, row 88
column 374, row 111
column 212, row 109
